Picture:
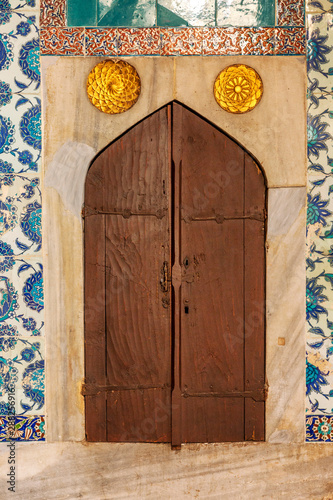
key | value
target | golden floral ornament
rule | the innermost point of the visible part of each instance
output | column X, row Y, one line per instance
column 113, row 86
column 238, row 88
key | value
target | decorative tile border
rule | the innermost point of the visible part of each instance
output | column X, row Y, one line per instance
column 21, row 270
column 319, row 308
column 22, row 428
column 290, row 12
column 319, row 428
column 52, row 13
column 62, row 41
column 172, row 41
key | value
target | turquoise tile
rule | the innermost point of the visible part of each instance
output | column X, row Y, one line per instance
column 127, row 13
column 189, row 13
column 82, row 12
column 245, row 13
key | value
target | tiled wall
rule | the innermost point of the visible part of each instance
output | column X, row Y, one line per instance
column 21, row 269
column 319, row 306
column 278, row 29
column 21, row 272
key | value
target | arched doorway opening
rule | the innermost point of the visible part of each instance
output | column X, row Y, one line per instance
column 174, row 286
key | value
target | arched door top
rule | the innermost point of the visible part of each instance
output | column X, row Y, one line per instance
column 174, row 250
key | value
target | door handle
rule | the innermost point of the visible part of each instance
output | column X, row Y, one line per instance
column 165, row 280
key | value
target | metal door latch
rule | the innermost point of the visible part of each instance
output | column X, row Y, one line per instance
column 165, row 280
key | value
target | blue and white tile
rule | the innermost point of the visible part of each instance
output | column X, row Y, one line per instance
column 319, row 6
column 20, row 216
column 22, row 381
column 20, row 135
column 19, row 55
column 22, row 297
column 24, row 5
column 320, row 50
column 320, row 145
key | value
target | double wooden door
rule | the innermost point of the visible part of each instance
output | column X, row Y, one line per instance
column 174, row 286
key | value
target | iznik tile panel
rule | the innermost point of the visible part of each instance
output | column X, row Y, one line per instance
column 21, row 270
column 319, row 307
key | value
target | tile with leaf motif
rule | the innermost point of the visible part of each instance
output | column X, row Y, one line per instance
column 19, row 59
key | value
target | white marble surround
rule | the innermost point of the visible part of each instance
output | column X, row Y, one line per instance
column 74, row 131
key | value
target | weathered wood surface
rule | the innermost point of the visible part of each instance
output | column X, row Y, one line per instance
column 182, row 202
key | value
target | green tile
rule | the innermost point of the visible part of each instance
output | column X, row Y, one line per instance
column 127, row 13
column 82, row 12
column 189, row 13
column 246, row 13
column 166, row 17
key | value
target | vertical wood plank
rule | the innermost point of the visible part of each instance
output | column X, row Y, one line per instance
column 94, row 310
column 212, row 260
column 134, row 169
column 254, row 286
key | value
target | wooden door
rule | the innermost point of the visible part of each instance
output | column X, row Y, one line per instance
column 174, row 286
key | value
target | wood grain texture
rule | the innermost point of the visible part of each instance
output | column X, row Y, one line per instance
column 213, row 326
column 142, row 415
column 209, row 420
column 254, row 297
column 134, row 168
column 95, row 325
column 182, row 203
column 137, row 323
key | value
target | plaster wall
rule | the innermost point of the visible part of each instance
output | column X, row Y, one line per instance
column 74, row 131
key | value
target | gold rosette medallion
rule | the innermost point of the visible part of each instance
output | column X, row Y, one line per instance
column 238, row 88
column 113, row 86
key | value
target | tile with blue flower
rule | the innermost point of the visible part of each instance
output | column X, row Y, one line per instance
column 19, row 52
column 319, row 6
column 21, row 297
column 20, row 217
column 20, row 135
column 22, row 376
column 320, row 53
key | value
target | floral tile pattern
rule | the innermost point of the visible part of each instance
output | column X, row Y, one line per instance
column 221, row 41
column 133, row 41
column 290, row 41
column 62, row 41
column 258, row 41
column 19, row 53
column 14, row 428
column 172, row 41
column 178, row 42
column 319, row 262
column 53, row 13
column 23, row 375
column 101, row 42
column 290, row 12
column 22, row 404
column 319, row 428
column 319, row 6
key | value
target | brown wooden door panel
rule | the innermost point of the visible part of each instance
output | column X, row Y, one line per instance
column 212, row 311
column 137, row 323
column 212, row 419
column 132, row 173
column 139, row 416
column 212, row 167
column 95, row 325
column 180, row 207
